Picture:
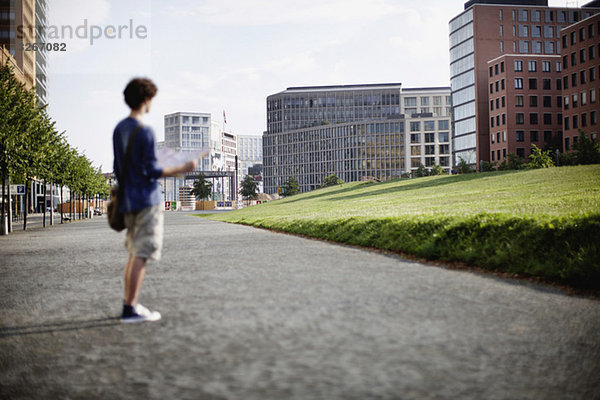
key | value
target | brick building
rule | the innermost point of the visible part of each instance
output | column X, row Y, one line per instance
column 486, row 30
column 525, row 103
column 581, row 83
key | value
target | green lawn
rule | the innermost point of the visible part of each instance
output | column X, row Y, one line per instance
column 541, row 222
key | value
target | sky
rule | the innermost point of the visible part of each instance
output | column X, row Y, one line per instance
column 227, row 56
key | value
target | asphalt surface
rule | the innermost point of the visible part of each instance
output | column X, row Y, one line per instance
column 251, row 314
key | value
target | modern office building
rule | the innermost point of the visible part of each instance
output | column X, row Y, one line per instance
column 525, row 104
column 357, row 132
column 191, row 131
column 484, row 31
column 581, row 81
column 250, row 151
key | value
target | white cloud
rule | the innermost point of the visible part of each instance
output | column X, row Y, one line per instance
column 274, row 12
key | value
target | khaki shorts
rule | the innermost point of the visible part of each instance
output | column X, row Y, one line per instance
column 145, row 233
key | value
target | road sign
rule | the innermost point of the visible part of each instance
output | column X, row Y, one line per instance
column 17, row 189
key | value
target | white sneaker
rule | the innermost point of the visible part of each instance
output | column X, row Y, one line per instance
column 141, row 314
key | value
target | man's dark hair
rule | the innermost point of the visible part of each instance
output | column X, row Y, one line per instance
column 139, row 90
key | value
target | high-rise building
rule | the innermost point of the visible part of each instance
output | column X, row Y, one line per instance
column 486, row 30
column 581, row 80
column 22, row 29
column 356, row 132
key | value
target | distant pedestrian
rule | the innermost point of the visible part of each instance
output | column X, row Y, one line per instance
column 141, row 201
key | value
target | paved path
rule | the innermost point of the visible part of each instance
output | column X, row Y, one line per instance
column 250, row 314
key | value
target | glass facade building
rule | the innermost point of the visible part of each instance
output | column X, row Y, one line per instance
column 354, row 131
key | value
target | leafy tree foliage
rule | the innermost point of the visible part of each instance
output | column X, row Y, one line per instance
column 488, row 166
column 291, row 186
column 202, row 188
column 331, row 180
column 512, row 162
column 421, row 171
column 249, row 188
column 437, row 170
column 30, row 146
column 587, row 149
column 463, row 167
column 539, row 158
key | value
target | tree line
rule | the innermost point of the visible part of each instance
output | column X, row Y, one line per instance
column 32, row 148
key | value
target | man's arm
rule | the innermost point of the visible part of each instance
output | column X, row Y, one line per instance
column 179, row 169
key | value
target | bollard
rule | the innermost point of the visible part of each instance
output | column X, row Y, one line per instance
column 4, row 230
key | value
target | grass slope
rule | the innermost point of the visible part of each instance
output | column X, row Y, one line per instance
column 543, row 223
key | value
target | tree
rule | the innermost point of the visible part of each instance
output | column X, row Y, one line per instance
column 421, row 171
column 587, row 149
column 539, row 158
column 437, row 170
column 331, row 180
column 249, row 188
column 291, row 186
column 462, row 167
column 487, row 166
column 512, row 162
column 202, row 188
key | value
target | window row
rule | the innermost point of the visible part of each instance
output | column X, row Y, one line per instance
column 582, row 56
column 581, row 120
column 582, row 34
column 573, row 100
column 533, row 101
column 581, row 78
column 532, row 66
column 534, row 118
column 533, row 84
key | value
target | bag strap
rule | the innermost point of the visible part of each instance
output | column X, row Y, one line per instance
column 125, row 165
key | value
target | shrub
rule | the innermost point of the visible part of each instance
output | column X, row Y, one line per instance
column 488, row 166
column 587, row 150
column 421, row 171
column 437, row 170
column 463, row 168
column 539, row 158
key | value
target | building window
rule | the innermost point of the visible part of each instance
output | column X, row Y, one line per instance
column 567, row 144
column 533, row 118
column 415, row 126
column 502, row 67
column 519, row 101
column 523, row 15
column 558, row 66
column 520, row 136
column 523, row 46
column 566, row 122
column 592, row 52
column 444, row 137
column 583, row 98
column 582, row 56
column 547, row 119
column 532, row 66
column 547, row 84
column 521, row 152
column 533, row 101
column 583, row 120
column 573, row 79
column 536, row 47
column 575, row 119
column 520, row 118
column 523, row 31
column 533, row 136
column 593, row 118
column 545, row 66
column 443, row 125
column 536, row 31
column 532, row 83
column 518, row 66
column 559, row 101
column 548, row 15
column 592, row 95
column 548, row 31
column 503, row 101
column 547, row 101
column 518, row 83
column 415, row 138
column 429, row 137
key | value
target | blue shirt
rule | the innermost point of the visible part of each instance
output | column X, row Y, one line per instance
column 141, row 185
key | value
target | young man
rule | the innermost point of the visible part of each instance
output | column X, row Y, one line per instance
column 141, row 201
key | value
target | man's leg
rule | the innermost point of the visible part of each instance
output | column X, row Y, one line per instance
column 135, row 271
